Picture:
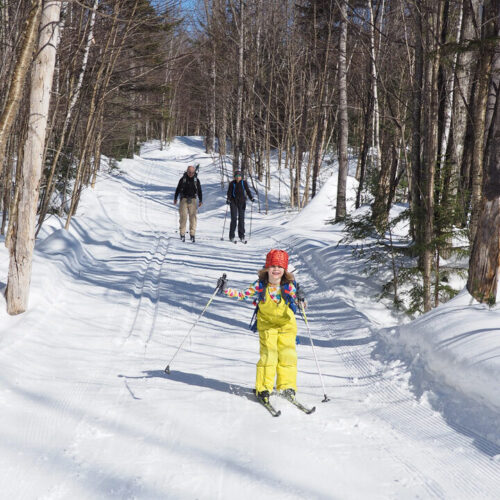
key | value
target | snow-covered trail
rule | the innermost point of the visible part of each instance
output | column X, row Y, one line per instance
column 88, row 412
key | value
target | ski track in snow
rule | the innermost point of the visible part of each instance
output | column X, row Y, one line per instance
column 383, row 393
column 95, row 416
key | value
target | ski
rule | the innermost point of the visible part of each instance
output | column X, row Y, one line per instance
column 270, row 408
column 298, row 404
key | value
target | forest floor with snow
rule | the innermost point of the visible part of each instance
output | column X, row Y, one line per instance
column 88, row 411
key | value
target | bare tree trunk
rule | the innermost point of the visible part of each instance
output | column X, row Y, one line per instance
column 210, row 143
column 97, row 153
column 7, row 174
column 211, row 128
column 374, row 84
column 363, row 153
column 301, row 138
column 493, row 102
column 222, row 134
column 49, row 188
column 431, row 106
column 484, row 264
column 416, row 193
column 461, row 99
column 239, row 98
column 341, row 210
column 449, row 85
column 380, row 207
column 13, row 100
column 162, row 134
column 14, row 204
column 480, row 102
column 23, row 241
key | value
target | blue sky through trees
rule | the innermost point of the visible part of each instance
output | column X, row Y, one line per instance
column 186, row 5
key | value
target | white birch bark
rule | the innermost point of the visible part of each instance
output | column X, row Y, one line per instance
column 213, row 99
column 448, row 107
column 376, row 153
column 23, row 242
column 72, row 103
column 239, row 102
column 344, row 121
column 15, row 93
column 484, row 264
column 462, row 88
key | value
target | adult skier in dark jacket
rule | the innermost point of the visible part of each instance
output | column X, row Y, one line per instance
column 188, row 188
column 237, row 193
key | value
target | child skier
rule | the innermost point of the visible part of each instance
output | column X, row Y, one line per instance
column 275, row 296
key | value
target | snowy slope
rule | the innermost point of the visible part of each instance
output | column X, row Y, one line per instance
column 88, row 412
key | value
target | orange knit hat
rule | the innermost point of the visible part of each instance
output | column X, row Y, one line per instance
column 277, row 258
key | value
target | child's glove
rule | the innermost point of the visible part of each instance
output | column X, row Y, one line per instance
column 222, row 284
column 301, row 298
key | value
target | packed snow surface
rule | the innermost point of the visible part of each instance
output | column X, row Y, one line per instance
column 88, row 411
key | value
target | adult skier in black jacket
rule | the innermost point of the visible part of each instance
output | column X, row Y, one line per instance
column 189, row 188
column 237, row 193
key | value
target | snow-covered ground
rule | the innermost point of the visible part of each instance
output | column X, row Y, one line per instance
column 89, row 413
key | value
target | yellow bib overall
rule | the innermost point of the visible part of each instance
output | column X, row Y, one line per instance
column 278, row 357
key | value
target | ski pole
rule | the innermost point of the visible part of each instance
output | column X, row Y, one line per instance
column 224, row 226
column 167, row 369
column 326, row 398
column 251, row 217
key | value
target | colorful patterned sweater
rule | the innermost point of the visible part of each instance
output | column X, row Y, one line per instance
column 252, row 292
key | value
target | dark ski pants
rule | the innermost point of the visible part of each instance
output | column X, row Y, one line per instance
column 237, row 216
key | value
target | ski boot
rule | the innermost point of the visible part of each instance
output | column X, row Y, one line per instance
column 263, row 397
column 288, row 394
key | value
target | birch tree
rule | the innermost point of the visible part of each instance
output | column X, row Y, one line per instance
column 344, row 120
column 75, row 93
column 433, row 11
column 479, row 113
column 23, row 241
column 484, row 265
column 461, row 102
column 240, row 26
column 375, row 26
column 13, row 100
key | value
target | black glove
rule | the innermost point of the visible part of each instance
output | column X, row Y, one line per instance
column 252, row 200
column 228, row 202
column 222, row 284
column 299, row 294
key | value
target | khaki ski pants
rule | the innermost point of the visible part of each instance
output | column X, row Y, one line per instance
column 188, row 206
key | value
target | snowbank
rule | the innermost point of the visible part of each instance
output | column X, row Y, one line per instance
column 455, row 347
column 321, row 209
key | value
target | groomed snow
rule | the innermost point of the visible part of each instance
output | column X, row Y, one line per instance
column 89, row 413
